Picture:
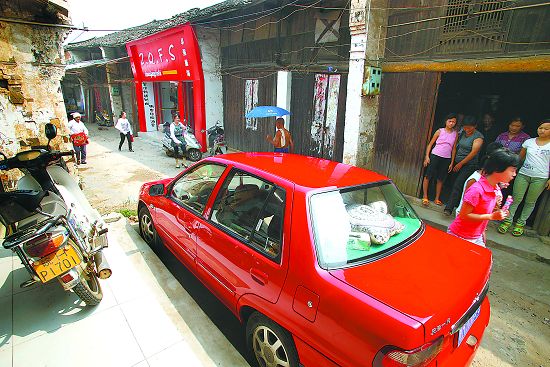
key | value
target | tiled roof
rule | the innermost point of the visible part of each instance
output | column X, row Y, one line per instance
column 130, row 34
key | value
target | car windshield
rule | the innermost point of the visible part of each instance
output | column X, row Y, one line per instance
column 360, row 223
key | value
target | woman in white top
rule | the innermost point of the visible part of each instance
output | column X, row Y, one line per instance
column 532, row 179
column 123, row 125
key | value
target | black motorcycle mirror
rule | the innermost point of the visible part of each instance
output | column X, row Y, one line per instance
column 51, row 132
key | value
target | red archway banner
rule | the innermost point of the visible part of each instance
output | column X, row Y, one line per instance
column 170, row 55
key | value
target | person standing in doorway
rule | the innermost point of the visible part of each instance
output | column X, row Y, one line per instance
column 532, row 179
column 440, row 161
column 489, row 131
column 79, row 137
column 282, row 141
column 513, row 138
column 123, row 125
column 177, row 131
column 469, row 143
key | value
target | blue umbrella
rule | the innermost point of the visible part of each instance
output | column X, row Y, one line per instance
column 267, row 111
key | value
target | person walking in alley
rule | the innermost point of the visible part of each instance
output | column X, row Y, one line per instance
column 440, row 161
column 469, row 143
column 177, row 130
column 79, row 137
column 282, row 141
column 480, row 200
column 532, row 179
column 123, row 125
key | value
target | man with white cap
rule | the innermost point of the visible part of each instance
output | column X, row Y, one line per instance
column 79, row 137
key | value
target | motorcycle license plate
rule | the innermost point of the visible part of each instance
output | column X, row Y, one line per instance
column 55, row 264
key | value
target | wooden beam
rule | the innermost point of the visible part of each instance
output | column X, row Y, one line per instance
column 500, row 65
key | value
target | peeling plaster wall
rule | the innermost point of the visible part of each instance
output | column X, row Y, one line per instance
column 209, row 43
column 30, row 92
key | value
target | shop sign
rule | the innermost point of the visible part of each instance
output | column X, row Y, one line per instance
column 166, row 56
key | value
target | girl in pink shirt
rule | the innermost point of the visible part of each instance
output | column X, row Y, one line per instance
column 479, row 202
column 440, row 161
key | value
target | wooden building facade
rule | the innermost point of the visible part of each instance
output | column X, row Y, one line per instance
column 312, row 43
column 463, row 56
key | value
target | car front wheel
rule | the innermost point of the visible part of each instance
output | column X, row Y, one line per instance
column 147, row 228
column 270, row 344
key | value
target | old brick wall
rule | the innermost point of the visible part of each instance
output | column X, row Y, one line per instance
column 31, row 68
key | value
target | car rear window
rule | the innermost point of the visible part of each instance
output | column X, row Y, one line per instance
column 356, row 224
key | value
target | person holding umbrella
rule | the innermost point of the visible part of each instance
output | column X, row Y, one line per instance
column 282, row 141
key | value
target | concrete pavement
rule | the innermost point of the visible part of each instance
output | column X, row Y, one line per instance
column 146, row 318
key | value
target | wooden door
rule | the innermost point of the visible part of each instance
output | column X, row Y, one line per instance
column 407, row 105
column 318, row 110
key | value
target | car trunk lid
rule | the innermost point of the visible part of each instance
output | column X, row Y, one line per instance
column 436, row 280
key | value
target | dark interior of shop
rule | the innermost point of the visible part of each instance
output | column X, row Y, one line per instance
column 504, row 95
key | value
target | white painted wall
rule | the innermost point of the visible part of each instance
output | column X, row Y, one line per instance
column 209, row 43
column 284, row 84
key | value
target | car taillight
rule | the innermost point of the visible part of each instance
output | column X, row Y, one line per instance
column 421, row 356
column 45, row 244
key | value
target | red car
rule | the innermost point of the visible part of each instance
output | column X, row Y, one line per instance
column 326, row 264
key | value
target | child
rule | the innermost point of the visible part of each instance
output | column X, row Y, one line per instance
column 479, row 204
column 474, row 177
column 532, row 177
column 440, row 161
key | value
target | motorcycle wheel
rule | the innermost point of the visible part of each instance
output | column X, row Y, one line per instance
column 194, row 155
column 169, row 153
column 89, row 289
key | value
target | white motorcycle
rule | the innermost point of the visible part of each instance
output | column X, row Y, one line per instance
column 51, row 226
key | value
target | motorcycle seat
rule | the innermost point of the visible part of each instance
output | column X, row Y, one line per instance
column 19, row 204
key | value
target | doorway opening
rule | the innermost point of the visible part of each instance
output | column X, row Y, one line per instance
column 502, row 95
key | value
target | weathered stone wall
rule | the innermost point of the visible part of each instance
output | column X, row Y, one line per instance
column 30, row 93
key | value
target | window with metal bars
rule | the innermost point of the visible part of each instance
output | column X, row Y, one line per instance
column 474, row 14
column 473, row 26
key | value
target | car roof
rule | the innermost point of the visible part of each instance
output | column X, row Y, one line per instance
column 302, row 170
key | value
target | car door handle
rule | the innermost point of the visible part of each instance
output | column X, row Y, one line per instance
column 259, row 276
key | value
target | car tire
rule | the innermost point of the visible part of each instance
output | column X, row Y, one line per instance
column 89, row 289
column 268, row 343
column 147, row 229
column 194, row 155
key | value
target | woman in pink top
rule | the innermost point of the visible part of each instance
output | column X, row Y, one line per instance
column 440, row 161
column 479, row 202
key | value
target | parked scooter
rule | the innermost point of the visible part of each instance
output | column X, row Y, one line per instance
column 192, row 145
column 216, row 139
column 51, row 226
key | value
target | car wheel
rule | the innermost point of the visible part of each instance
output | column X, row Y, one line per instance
column 147, row 227
column 269, row 343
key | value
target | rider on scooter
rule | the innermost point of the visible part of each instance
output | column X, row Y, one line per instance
column 177, row 130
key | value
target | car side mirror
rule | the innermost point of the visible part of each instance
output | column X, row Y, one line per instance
column 156, row 190
column 50, row 130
